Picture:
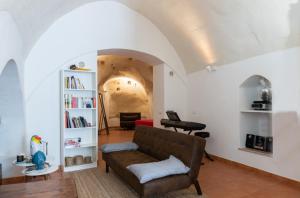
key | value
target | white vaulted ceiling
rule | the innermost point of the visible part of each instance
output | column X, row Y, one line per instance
column 203, row 32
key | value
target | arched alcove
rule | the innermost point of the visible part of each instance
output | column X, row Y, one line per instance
column 250, row 90
column 12, row 127
column 255, row 121
column 126, row 81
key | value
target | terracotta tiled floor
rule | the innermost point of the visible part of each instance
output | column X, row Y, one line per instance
column 221, row 180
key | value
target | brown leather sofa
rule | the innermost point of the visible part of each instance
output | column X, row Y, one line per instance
column 154, row 145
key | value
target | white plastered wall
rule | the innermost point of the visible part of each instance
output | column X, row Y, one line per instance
column 214, row 99
column 12, row 125
column 92, row 27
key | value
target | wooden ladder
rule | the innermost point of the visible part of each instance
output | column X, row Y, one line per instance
column 102, row 116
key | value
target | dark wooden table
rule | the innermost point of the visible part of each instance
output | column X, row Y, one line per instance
column 59, row 188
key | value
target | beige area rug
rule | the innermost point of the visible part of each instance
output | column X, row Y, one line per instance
column 94, row 183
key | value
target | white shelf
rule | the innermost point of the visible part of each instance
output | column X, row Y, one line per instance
column 89, row 146
column 70, row 109
column 81, row 146
column 255, row 111
column 80, row 128
column 263, row 153
column 79, row 71
column 80, row 167
column 256, row 122
column 83, row 90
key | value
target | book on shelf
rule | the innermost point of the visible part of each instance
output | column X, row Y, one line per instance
column 72, row 142
column 74, row 102
column 75, row 122
column 73, row 83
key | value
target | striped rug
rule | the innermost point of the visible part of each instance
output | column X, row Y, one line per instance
column 94, row 183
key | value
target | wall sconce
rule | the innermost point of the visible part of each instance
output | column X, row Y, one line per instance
column 210, row 68
column 171, row 73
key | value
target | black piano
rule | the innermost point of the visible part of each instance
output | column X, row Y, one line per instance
column 175, row 122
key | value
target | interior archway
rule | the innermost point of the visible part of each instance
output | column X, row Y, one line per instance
column 132, row 65
column 12, row 127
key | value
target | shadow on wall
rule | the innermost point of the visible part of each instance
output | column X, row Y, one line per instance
column 286, row 131
column 12, row 127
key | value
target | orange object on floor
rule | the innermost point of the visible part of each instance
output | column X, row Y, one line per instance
column 144, row 123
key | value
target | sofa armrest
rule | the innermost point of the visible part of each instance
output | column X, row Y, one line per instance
column 197, row 155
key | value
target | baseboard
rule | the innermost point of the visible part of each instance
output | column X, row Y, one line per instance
column 21, row 179
column 258, row 171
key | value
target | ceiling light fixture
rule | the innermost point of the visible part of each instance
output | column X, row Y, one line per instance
column 210, row 68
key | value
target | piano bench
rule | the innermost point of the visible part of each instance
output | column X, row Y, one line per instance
column 204, row 134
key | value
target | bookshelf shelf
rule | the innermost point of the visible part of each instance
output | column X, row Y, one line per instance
column 86, row 90
column 80, row 128
column 79, row 117
column 80, row 167
column 79, row 71
column 70, row 109
column 81, row 146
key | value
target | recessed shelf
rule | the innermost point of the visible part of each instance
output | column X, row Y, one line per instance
column 251, row 121
column 264, row 153
column 255, row 111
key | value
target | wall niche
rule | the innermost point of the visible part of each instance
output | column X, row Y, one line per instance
column 255, row 100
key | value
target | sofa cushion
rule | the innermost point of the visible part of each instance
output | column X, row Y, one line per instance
column 148, row 171
column 161, row 143
column 126, row 158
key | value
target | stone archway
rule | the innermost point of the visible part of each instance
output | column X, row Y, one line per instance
column 157, row 94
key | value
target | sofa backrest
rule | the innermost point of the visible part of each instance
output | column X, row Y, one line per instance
column 161, row 143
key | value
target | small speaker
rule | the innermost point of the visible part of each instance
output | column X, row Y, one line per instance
column 269, row 144
column 260, row 143
column 250, row 140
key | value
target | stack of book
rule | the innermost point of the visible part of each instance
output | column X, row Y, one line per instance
column 73, row 83
column 79, row 102
column 75, row 122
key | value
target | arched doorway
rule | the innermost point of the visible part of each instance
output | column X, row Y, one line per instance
column 134, row 66
column 12, row 127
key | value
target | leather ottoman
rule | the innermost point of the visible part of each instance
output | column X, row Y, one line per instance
column 144, row 123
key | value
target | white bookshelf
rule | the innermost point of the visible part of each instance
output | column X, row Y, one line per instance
column 88, row 134
column 257, row 122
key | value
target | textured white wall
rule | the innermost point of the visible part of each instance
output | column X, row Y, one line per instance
column 12, row 125
column 11, row 42
column 92, row 27
column 213, row 99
